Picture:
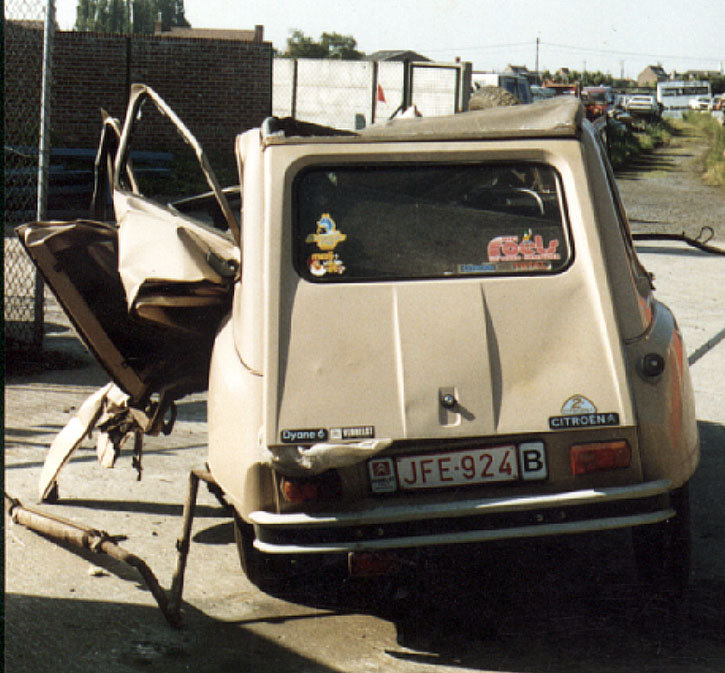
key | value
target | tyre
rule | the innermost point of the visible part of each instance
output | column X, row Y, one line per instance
column 292, row 577
column 267, row 572
column 662, row 550
column 491, row 96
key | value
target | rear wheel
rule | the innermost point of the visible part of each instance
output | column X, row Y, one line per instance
column 662, row 550
column 266, row 571
column 294, row 577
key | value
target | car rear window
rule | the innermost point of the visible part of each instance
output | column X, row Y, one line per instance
column 409, row 221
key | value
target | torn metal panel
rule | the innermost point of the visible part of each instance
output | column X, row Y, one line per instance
column 166, row 353
column 169, row 255
column 109, row 410
column 138, row 95
column 309, row 460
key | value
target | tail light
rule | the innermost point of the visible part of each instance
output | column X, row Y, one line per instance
column 600, row 456
column 325, row 486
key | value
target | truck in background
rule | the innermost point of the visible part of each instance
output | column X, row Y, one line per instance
column 516, row 85
column 674, row 96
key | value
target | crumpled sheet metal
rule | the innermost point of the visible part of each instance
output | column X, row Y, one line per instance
column 106, row 409
column 184, row 261
column 300, row 461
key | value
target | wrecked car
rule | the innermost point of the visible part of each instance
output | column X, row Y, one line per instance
column 430, row 332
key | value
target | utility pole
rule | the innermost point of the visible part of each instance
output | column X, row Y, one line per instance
column 537, row 56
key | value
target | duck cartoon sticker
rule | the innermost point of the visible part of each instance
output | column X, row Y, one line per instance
column 326, row 237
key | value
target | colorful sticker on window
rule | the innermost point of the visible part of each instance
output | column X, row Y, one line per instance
column 476, row 268
column 322, row 263
column 532, row 248
column 327, row 235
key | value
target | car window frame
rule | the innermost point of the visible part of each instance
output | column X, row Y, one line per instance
column 565, row 223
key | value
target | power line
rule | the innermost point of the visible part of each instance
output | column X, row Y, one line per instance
column 483, row 47
column 616, row 52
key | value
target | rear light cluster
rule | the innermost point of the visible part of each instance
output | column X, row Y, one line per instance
column 600, row 456
column 325, row 486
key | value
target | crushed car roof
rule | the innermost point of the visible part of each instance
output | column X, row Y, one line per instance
column 557, row 117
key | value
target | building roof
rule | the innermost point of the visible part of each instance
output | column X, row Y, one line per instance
column 655, row 70
column 256, row 35
column 396, row 55
column 517, row 69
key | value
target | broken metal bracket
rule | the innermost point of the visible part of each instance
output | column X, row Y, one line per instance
column 702, row 242
column 98, row 541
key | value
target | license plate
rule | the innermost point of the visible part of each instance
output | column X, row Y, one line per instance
column 511, row 462
column 475, row 466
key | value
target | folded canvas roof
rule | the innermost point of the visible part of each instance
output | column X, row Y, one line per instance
column 552, row 118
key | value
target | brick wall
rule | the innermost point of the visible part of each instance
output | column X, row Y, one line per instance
column 217, row 87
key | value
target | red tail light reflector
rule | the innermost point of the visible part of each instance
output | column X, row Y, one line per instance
column 600, row 456
column 299, row 491
column 325, row 486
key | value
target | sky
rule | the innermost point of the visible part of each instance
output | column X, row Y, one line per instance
column 616, row 37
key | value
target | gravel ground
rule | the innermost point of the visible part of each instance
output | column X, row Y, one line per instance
column 663, row 191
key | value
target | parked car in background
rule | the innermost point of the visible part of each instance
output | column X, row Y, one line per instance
column 643, row 106
column 718, row 108
column 701, row 103
column 598, row 100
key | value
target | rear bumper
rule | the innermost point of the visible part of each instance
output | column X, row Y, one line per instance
column 399, row 526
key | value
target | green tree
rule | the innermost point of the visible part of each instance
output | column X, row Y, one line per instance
column 330, row 45
column 128, row 16
column 717, row 83
column 341, row 47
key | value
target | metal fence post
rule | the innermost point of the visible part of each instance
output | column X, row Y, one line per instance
column 44, row 150
column 466, row 85
column 295, row 75
column 407, row 84
column 374, row 88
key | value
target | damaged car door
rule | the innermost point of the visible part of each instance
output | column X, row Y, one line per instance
column 147, row 292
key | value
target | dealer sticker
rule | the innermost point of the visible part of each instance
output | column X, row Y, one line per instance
column 382, row 475
column 357, row 432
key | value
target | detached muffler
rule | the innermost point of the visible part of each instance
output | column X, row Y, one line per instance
column 98, row 541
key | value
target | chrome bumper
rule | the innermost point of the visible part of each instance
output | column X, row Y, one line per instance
column 402, row 526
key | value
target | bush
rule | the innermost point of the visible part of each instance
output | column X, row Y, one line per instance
column 625, row 143
column 714, row 159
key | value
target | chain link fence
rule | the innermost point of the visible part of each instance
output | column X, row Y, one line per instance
column 29, row 27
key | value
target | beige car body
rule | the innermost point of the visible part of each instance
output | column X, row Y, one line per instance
column 380, row 355
column 398, row 367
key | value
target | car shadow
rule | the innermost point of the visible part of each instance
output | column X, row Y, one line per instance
column 61, row 634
